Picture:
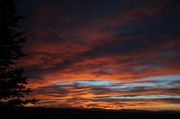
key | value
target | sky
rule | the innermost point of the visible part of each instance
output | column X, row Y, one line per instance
column 108, row 54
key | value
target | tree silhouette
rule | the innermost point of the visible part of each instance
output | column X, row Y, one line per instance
column 12, row 80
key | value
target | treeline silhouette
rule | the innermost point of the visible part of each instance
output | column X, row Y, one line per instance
column 57, row 113
column 12, row 79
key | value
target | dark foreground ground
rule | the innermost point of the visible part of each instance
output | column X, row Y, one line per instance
column 48, row 113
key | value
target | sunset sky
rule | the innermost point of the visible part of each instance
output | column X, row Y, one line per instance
column 109, row 54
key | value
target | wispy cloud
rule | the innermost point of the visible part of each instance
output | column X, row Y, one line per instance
column 141, row 97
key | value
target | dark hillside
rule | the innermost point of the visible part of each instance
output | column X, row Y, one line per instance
column 50, row 113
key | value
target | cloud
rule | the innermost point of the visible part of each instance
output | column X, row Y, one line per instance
column 82, row 83
column 142, row 97
column 89, row 49
column 92, row 92
column 84, row 96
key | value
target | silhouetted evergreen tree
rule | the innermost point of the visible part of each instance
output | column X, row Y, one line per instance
column 12, row 81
